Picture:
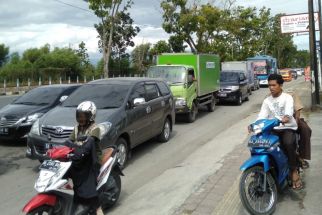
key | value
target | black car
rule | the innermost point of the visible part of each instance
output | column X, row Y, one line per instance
column 17, row 118
column 233, row 87
column 138, row 109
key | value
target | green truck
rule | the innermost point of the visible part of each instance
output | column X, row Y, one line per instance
column 193, row 80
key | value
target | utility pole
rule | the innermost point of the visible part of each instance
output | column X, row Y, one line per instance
column 313, row 53
column 320, row 28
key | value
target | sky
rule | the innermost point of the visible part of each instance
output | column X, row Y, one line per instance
column 32, row 23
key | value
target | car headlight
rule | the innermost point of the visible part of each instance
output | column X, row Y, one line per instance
column 35, row 128
column 104, row 127
column 234, row 88
column 29, row 119
column 181, row 102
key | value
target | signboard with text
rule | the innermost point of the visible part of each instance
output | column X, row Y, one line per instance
column 297, row 23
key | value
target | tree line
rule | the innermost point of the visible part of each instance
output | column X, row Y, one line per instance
column 232, row 32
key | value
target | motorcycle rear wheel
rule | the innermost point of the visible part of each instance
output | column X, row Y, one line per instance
column 110, row 192
column 252, row 196
column 43, row 210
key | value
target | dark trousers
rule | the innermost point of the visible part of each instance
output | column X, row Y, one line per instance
column 305, row 140
column 287, row 139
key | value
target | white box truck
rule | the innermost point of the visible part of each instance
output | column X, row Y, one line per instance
column 242, row 66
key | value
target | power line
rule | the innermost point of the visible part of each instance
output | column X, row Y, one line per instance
column 74, row 6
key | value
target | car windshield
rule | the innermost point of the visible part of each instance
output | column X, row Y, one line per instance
column 231, row 77
column 103, row 95
column 171, row 74
column 40, row 96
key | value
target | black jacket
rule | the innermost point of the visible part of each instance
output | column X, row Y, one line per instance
column 85, row 168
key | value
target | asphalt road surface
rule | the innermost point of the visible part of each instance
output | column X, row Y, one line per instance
column 149, row 161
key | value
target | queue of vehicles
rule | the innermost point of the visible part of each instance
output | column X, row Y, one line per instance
column 136, row 109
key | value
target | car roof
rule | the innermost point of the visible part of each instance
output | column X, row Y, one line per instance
column 124, row 81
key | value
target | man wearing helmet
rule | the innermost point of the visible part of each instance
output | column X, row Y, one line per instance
column 85, row 167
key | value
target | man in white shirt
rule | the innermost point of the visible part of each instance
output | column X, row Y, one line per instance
column 281, row 105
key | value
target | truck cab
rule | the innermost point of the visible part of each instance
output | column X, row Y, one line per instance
column 193, row 80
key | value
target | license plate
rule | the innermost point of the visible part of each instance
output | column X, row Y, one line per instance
column 50, row 165
column 4, row 131
column 222, row 94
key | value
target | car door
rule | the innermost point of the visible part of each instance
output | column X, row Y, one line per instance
column 157, row 104
column 243, row 85
column 139, row 121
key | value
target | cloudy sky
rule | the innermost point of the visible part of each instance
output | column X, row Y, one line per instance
column 33, row 23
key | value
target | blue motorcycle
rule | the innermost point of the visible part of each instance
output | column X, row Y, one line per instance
column 265, row 171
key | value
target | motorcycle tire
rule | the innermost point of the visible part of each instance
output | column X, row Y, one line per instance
column 110, row 192
column 41, row 210
column 247, row 193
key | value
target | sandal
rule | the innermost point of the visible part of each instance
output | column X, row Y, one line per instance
column 304, row 164
column 297, row 184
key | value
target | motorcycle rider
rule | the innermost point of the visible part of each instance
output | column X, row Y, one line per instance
column 85, row 166
column 281, row 105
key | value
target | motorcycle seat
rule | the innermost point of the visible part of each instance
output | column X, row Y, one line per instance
column 107, row 154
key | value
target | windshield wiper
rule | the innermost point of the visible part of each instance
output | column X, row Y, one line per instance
column 25, row 103
column 70, row 106
column 109, row 107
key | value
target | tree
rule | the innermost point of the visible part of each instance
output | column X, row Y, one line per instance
column 4, row 54
column 111, row 18
column 82, row 53
column 141, row 57
column 33, row 54
column 160, row 47
column 177, row 44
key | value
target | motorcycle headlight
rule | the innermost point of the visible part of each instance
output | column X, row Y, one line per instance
column 181, row 102
column 35, row 128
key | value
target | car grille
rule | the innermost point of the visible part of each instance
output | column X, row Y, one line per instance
column 6, row 122
column 40, row 149
column 57, row 132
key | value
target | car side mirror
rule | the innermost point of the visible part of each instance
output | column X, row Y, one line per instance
column 63, row 98
column 139, row 101
column 190, row 79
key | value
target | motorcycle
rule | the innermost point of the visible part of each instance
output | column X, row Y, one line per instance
column 265, row 172
column 55, row 192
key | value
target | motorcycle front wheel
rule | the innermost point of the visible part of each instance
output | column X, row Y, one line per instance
column 43, row 210
column 111, row 190
column 253, row 195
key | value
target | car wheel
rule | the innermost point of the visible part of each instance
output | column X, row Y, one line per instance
column 247, row 99
column 211, row 106
column 239, row 100
column 192, row 115
column 122, row 154
column 166, row 132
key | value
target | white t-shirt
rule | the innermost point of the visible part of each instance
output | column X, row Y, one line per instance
column 277, row 108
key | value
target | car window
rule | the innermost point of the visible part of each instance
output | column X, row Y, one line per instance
column 40, row 96
column 69, row 91
column 103, row 95
column 138, row 92
column 164, row 89
column 152, row 92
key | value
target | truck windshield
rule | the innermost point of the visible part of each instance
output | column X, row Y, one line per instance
column 171, row 74
column 259, row 67
column 229, row 77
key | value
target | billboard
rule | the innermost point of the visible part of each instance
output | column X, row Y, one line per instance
column 298, row 23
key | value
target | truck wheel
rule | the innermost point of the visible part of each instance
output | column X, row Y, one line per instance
column 192, row 115
column 166, row 132
column 123, row 152
column 239, row 100
column 211, row 106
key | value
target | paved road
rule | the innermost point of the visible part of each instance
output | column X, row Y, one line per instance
column 151, row 162
column 4, row 100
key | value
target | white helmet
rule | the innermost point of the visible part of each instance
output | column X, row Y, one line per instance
column 89, row 108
